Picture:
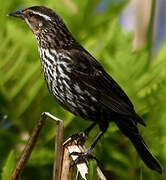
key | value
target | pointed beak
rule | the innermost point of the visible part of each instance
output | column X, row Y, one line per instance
column 18, row 13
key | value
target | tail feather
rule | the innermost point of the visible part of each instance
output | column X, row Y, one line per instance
column 130, row 129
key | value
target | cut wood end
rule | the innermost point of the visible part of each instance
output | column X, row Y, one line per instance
column 51, row 116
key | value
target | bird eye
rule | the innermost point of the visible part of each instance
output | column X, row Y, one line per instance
column 30, row 14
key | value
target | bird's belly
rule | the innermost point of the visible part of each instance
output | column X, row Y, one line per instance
column 72, row 98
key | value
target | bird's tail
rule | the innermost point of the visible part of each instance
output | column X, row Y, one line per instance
column 130, row 129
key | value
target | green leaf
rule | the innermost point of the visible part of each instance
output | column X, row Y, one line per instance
column 9, row 166
column 92, row 172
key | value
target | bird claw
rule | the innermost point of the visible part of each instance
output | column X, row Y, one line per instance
column 82, row 157
column 78, row 137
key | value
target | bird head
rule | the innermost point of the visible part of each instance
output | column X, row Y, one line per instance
column 47, row 26
column 38, row 18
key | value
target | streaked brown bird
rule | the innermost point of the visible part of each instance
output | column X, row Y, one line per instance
column 80, row 84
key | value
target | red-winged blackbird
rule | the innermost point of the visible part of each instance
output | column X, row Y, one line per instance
column 79, row 83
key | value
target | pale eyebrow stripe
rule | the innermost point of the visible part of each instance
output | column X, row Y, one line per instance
column 43, row 15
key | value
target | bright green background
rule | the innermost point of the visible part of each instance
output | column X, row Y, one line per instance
column 24, row 96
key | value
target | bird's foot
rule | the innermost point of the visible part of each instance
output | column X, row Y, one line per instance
column 82, row 157
column 80, row 138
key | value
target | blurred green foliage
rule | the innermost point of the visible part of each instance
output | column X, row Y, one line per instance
column 24, row 96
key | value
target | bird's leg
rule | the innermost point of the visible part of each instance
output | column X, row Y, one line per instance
column 81, row 136
column 82, row 156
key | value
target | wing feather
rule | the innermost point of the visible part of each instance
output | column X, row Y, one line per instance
column 101, row 85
